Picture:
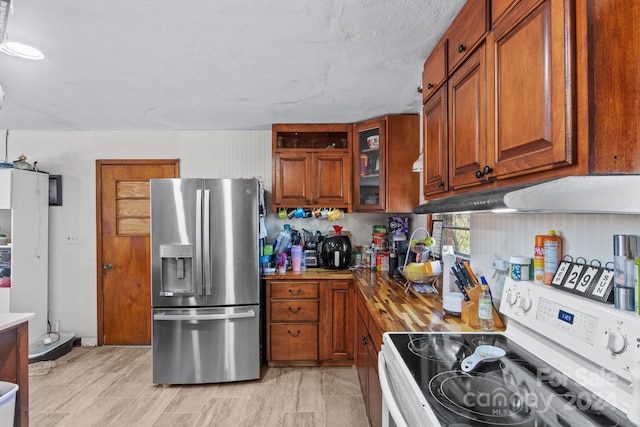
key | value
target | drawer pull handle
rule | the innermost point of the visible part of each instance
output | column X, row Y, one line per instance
column 294, row 335
column 298, row 292
column 291, row 310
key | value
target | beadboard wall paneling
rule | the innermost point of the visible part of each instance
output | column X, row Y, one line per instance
column 226, row 154
column 583, row 235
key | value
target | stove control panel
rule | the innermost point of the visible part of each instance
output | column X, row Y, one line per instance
column 596, row 331
column 580, row 325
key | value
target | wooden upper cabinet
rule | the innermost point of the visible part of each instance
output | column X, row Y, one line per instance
column 466, row 32
column 384, row 151
column 530, row 112
column 435, row 70
column 499, row 9
column 467, row 123
column 435, row 168
column 613, row 84
column 311, row 165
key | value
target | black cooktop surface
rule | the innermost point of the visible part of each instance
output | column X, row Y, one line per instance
column 517, row 389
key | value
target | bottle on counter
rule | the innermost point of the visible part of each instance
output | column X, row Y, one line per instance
column 485, row 309
column 552, row 255
column 538, row 259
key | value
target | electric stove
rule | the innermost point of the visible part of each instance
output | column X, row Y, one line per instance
column 567, row 362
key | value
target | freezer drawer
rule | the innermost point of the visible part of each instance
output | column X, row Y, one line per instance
column 206, row 345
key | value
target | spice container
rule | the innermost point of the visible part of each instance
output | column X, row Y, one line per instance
column 519, row 267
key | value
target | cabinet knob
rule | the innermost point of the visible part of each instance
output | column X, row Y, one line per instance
column 479, row 174
column 298, row 292
column 487, row 170
column 294, row 311
column 462, row 48
column 429, row 86
column 440, row 184
column 364, row 340
column 294, row 335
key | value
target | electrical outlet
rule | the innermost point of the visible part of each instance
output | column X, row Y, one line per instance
column 72, row 238
column 500, row 265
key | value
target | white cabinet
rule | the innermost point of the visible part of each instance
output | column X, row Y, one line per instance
column 24, row 218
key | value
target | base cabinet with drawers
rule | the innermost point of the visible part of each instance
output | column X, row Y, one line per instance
column 309, row 322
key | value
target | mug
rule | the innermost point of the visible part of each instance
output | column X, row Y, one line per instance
column 334, row 214
column 299, row 213
column 324, row 212
column 282, row 213
column 316, row 213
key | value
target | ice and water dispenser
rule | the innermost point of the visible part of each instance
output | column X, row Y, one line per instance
column 177, row 269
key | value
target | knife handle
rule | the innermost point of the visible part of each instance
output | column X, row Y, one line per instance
column 461, row 288
column 468, row 269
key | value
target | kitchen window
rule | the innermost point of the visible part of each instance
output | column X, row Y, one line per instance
column 456, row 231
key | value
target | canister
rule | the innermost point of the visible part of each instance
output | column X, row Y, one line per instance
column 519, row 267
column 382, row 261
column 380, row 240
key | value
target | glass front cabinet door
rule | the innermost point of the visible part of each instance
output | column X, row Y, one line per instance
column 369, row 183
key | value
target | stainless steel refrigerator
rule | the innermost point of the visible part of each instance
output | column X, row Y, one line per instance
column 205, row 280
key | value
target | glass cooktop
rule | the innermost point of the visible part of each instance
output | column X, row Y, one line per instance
column 517, row 389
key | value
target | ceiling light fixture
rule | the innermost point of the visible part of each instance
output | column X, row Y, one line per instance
column 417, row 165
column 21, row 50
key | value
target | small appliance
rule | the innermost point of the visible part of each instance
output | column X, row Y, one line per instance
column 336, row 250
column 310, row 248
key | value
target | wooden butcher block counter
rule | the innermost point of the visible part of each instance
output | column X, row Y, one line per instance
column 394, row 310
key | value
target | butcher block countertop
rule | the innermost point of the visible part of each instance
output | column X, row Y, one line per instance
column 389, row 305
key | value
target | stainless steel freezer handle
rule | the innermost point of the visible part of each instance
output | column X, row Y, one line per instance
column 198, row 263
column 206, row 256
column 221, row 316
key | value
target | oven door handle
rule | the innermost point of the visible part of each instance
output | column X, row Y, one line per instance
column 389, row 405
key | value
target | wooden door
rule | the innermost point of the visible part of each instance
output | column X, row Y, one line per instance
column 529, row 94
column 435, row 143
column 467, row 122
column 331, row 178
column 337, row 318
column 123, row 231
column 292, row 173
column 360, row 357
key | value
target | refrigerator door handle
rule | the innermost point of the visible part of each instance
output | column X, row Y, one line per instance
column 221, row 316
column 206, row 256
column 198, row 260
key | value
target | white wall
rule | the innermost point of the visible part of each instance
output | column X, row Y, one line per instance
column 72, row 267
column 589, row 236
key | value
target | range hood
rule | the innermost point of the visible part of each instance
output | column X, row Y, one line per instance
column 572, row 194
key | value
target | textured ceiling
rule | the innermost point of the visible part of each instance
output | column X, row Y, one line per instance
column 213, row 64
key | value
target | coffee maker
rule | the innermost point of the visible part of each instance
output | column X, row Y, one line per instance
column 401, row 248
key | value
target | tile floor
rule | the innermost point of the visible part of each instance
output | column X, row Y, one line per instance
column 111, row 386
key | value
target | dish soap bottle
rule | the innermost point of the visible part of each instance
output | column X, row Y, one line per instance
column 485, row 309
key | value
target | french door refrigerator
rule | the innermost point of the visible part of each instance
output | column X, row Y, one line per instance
column 205, row 280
